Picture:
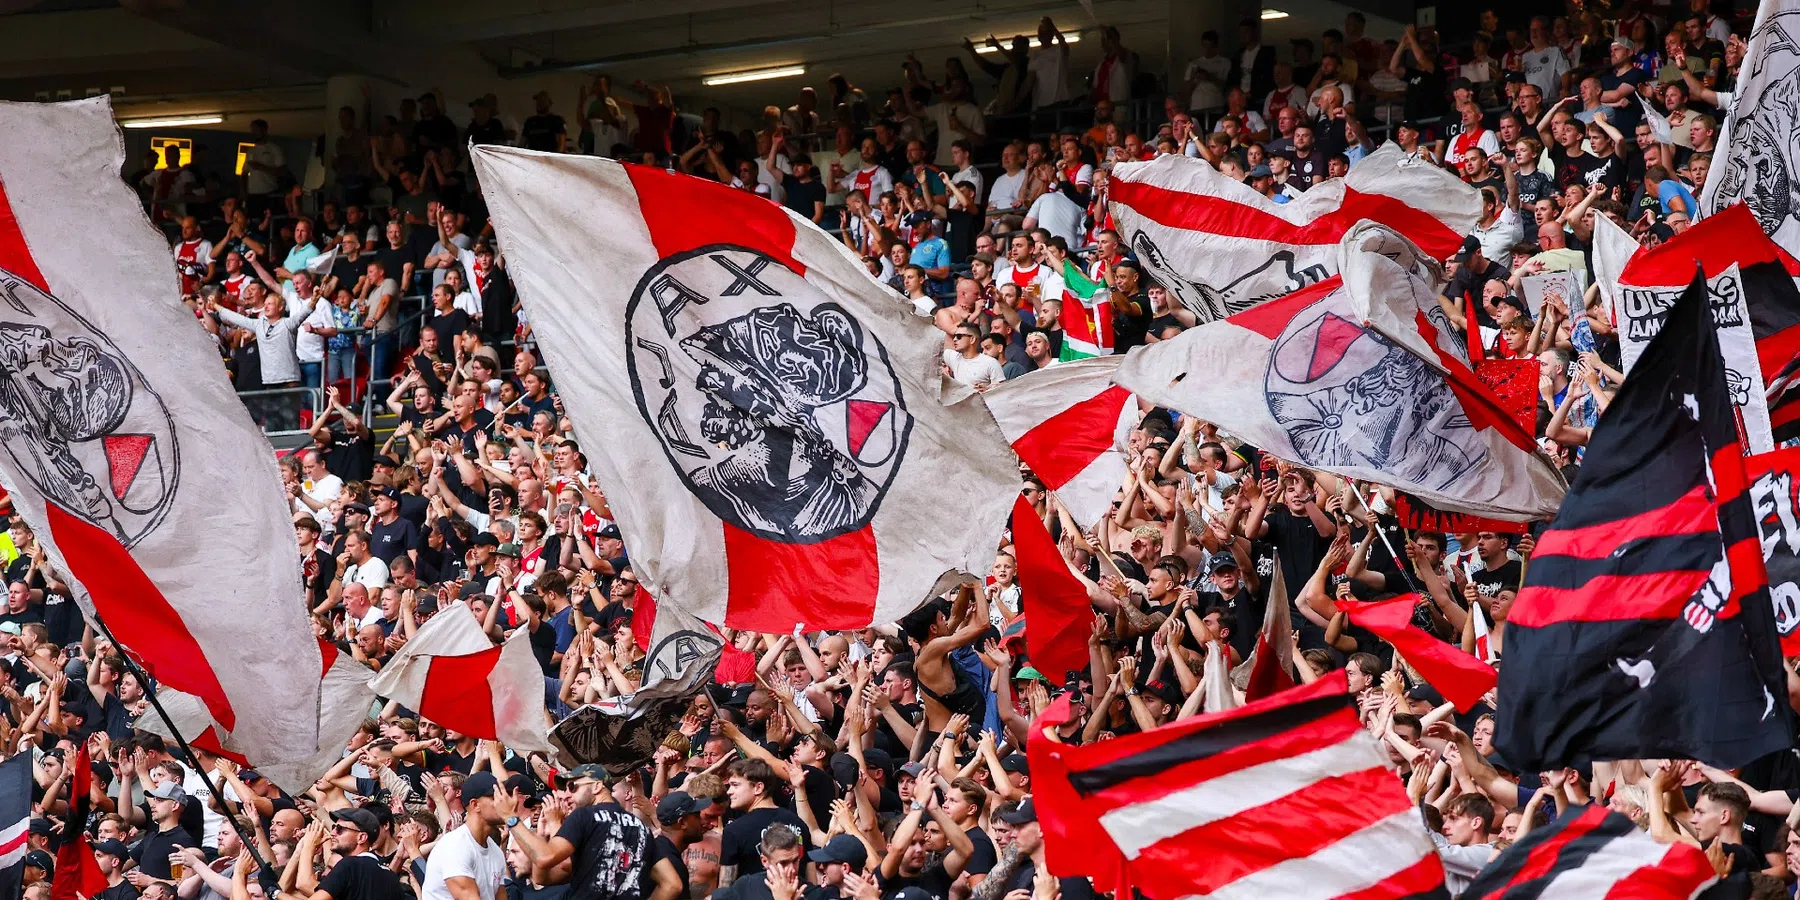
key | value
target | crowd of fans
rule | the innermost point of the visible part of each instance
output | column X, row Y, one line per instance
column 885, row 763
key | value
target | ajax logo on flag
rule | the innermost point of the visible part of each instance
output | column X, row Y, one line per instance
column 775, row 407
column 78, row 419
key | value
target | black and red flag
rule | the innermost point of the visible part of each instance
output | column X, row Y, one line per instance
column 1594, row 852
column 76, row 869
column 1644, row 629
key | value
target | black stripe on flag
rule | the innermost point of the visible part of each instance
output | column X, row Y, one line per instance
column 1573, row 856
column 1208, row 742
column 15, row 811
column 1650, row 556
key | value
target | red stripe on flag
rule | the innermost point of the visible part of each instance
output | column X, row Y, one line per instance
column 1062, row 617
column 1478, row 401
column 643, row 618
column 15, row 843
column 1332, row 729
column 667, row 202
column 1682, row 871
column 1691, row 513
column 1421, row 878
column 457, row 694
column 1205, row 859
column 328, row 654
column 137, row 613
column 1608, row 598
column 1732, row 235
column 1271, row 318
column 1229, row 218
column 1542, row 859
column 1461, row 678
column 1064, row 445
column 1267, row 675
column 15, row 255
column 828, row 585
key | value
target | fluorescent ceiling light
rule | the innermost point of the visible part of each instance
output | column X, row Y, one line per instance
column 753, row 75
column 1270, row 12
column 1071, row 37
column 173, row 121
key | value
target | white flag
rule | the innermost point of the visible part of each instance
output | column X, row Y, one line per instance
column 777, row 442
column 1220, row 247
column 1755, row 159
column 450, row 673
column 126, row 449
column 1070, row 424
column 1360, row 375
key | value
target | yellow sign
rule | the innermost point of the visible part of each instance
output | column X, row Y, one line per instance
column 184, row 148
column 242, row 151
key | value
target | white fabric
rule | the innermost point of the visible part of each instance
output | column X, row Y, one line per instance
column 1215, row 275
column 517, row 682
column 1639, row 309
column 1367, row 858
column 1378, row 411
column 1754, row 157
column 456, row 855
column 1215, row 681
column 1026, row 402
column 208, row 468
column 954, row 479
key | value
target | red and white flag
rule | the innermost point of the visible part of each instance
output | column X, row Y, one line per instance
column 1069, row 423
column 124, row 444
column 779, row 449
column 1287, row 797
column 1461, row 678
column 450, row 673
column 1360, row 375
column 1222, row 248
column 345, row 703
column 1059, row 616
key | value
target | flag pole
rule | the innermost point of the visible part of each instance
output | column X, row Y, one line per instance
column 265, row 873
column 1375, row 523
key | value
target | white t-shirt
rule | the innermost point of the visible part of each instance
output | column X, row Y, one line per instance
column 309, row 347
column 1005, row 192
column 970, row 175
column 269, row 154
column 1058, row 215
column 1208, row 95
column 1253, row 122
column 372, row 574
column 1049, row 67
column 968, row 115
column 456, row 855
column 983, row 368
column 323, row 491
column 1544, row 69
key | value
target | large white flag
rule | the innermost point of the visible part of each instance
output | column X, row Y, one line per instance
column 125, row 447
column 1070, row 424
column 1360, row 375
column 1756, row 159
column 1220, row 247
column 771, row 423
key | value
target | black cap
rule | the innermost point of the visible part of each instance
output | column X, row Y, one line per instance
column 611, row 531
column 485, row 539
column 1023, row 814
column 356, row 508
column 1470, row 247
column 1513, row 77
column 518, row 783
column 1016, row 762
column 1166, row 691
column 362, row 820
column 41, row 860
column 42, row 826
column 112, row 847
column 678, row 804
column 841, row 849
column 1220, row 562
column 480, row 784
column 1462, row 84
column 385, row 491
column 1516, row 302
column 382, row 459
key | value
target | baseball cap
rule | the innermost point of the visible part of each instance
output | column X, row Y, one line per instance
column 1016, row 762
column 41, row 860
column 1623, row 42
column 382, row 459
column 112, row 847
column 1511, row 77
column 677, row 804
column 985, row 257
column 1260, row 170
column 9, row 627
column 611, row 531
column 508, row 549
column 1462, row 84
column 168, row 790
column 841, row 849
column 592, row 771
column 364, row 821
column 1167, row 692
column 1470, row 247
column 42, row 826
column 249, row 775
column 1516, row 302
column 356, row 508
column 485, row 539
column 520, row 784
column 1022, row 814
column 913, row 769
column 480, row 784
column 911, row 893
column 1220, row 562
column 387, row 492
column 1029, row 673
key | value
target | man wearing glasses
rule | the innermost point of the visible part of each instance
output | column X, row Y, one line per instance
column 964, row 361
column 359, row 874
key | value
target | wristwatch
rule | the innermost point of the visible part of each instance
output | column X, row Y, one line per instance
column 512, row 821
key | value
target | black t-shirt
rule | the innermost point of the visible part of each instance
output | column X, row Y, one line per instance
column 449, row 761
column 393, row 539
column 1073, row 888
column 1533, row 186
column 740, row 844
column 612, row 851
column 121, row 891
column 394, row 260
column 350, row 458
column 152, row 853
column 539, row 132
column 984, row 857
column 489, row 132
column 1130, row 328
column 660, row 849
column 1425, row 98
column 1491, row 582
column 434, row 132
column 360, row 878
column 448, row 326
column 802, row 194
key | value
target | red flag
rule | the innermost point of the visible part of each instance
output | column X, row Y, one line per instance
column 1272, row 662
column 1461, row 678
column 1061, row 616
column 76, row 868
column 1267, row 675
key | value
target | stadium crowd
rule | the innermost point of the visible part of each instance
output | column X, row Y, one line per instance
column 885, row 763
